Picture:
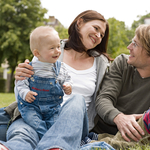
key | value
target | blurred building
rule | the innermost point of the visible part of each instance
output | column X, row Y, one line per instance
column 53, row 22
column 147, row 21
column 5, row 69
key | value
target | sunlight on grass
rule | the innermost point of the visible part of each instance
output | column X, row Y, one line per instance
column 144, row 147
column 6, row 99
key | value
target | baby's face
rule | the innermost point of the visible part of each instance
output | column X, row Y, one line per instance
column 50, row 47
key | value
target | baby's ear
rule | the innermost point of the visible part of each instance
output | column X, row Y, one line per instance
column 36, row 53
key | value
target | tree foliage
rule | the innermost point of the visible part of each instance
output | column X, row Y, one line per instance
column 117, row 38
column 17, row 19
column 141, row 19
column 135, row 24
column 120, row 36
column 63, row 32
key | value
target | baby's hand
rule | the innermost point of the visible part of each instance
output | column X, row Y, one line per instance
column 67, row 89
column 30, row 96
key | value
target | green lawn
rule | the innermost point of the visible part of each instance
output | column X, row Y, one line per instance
column 146, row 147
column 6, row 99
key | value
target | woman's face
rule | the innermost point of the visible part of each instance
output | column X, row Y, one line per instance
column 92, row 32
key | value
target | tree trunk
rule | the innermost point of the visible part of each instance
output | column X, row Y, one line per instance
column 10, row 85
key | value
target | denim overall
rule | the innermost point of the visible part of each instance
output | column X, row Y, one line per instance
column 43, row 112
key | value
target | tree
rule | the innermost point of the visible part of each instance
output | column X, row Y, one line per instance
column 135, row 24
column 117, row 38
column 63, row 32
column 17, row 19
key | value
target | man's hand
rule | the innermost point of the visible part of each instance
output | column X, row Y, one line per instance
column 67, row 89
column 30, row 97
column 127, row 125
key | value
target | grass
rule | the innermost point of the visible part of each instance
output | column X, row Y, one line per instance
column 6, row 99
column 144, row 147
column 136, row 148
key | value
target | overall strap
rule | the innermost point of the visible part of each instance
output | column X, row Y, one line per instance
column 30, row 63
column 57, row 67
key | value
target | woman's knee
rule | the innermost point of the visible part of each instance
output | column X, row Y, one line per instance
column 77, row 101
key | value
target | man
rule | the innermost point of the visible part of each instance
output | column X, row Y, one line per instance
column 125, row 92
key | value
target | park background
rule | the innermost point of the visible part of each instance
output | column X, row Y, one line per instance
column 19, row 17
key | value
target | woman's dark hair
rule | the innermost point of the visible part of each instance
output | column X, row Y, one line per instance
column 74, row 40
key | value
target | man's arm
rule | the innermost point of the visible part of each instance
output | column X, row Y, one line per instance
column 109, row 92
column 107, row 99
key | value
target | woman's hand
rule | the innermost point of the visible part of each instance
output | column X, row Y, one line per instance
column 23, row 70
column 128, row 126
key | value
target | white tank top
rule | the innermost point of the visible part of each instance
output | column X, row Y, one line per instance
column 84, row 82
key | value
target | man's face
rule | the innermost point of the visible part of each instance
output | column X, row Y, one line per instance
column 138, row 55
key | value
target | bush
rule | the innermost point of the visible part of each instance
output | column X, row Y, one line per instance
column 2, row 85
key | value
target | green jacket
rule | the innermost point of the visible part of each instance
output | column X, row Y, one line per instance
column 13, row 111
column 123, row 90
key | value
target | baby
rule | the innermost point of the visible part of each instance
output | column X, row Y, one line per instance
column 40, row 96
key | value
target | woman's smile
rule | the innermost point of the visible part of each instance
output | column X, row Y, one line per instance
column 93, row 39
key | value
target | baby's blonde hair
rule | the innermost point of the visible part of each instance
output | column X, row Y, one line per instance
column 37, row 34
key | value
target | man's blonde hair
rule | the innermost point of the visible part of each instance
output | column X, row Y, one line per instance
column 143, row 34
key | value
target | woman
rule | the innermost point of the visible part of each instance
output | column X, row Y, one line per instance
column 84, row 55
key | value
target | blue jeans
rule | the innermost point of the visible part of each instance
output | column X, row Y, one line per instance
column 38, row 121
column 66, row 133
column 97, row 146
column 21, row 136
column 4, row 120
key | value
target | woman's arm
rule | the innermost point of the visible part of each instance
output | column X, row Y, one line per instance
column 109, row 91
column 108, row 97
